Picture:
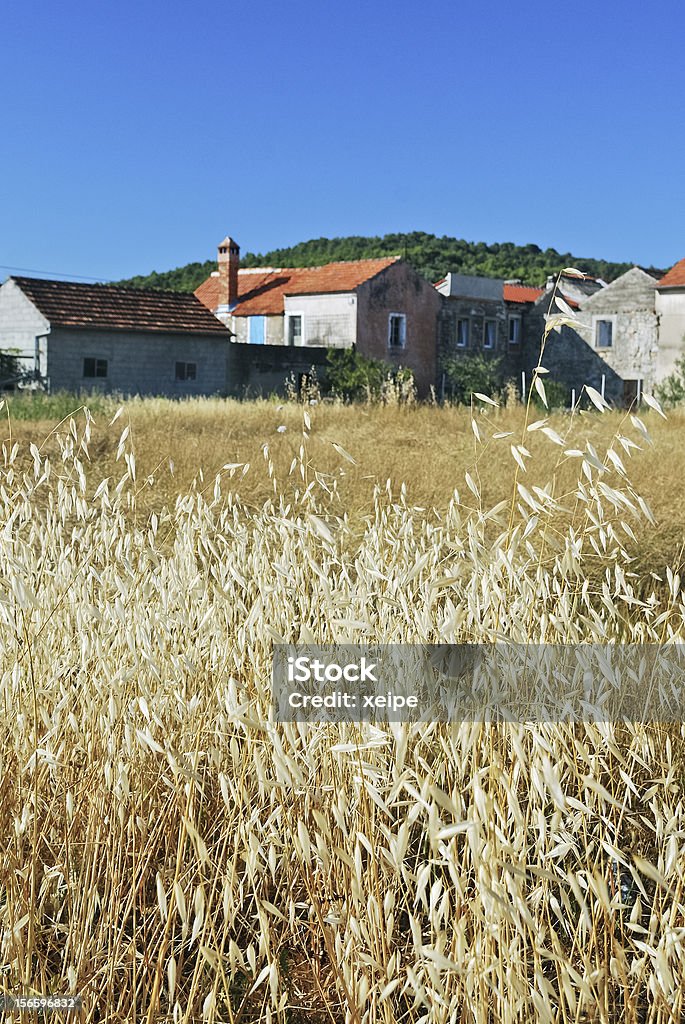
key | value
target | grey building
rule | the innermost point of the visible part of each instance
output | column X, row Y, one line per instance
column 73, row 337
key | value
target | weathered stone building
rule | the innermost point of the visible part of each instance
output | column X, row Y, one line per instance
column 612, row 348
column 485, row 316
column 76, row 337
column 382, row 307
column 473, row 316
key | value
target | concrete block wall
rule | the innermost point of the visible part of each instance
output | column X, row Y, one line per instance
column 20, row 325
column 138, row 363
column 255, row 370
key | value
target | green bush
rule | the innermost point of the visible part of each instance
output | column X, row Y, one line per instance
column 354, row 377
column 558, row 395
column 466, row 374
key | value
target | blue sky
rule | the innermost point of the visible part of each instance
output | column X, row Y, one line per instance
column 136, row 135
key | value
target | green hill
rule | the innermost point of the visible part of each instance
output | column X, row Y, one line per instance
column 432, row 256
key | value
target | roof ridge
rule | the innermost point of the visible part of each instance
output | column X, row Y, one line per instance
column 321, row 266
column 112, row 285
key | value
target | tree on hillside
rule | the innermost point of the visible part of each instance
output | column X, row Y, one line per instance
column 431, row 255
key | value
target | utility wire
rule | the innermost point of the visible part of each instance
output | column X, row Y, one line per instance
column 51, row 273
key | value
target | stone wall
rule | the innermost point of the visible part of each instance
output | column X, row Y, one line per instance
column 568, row 356
column 628, row 303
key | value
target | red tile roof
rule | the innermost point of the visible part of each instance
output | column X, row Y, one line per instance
column 521, row 293
column 675, row 278
column 116, row 308
column 573, row 303
column 261, row 292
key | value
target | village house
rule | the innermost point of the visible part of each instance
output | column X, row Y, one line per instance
column 72, row 336
column 613, row 344
column 381, row 307
column 670, row 312
column 486, row 316
column 627, row 336
column 246, row 330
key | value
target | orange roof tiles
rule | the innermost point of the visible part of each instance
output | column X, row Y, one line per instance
column 114, row 307
column 675, row 278
column 521, row 293
column 261, row 292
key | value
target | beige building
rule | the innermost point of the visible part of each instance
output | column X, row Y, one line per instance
column 670, row 311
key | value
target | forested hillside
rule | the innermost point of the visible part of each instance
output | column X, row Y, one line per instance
column 432, row 256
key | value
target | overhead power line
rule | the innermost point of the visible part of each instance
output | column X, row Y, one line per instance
column 51, row 273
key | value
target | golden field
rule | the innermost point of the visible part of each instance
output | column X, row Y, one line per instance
column 171, row 853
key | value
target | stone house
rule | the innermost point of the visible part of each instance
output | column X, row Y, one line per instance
column 381, row 307
column 620, row 325
column 613, row 347
column 74, row 337
column 473, row 315
column 485, row 316
column 627, row 338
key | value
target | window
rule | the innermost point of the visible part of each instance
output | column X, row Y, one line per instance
column 186, row 371
column 397, row 330
column 463, row 331
column 604, row 333
column 94, row 367
column 489, row 333
column 295, row 329
column 514, row 330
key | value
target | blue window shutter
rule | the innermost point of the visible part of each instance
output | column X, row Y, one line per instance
column 257, row 330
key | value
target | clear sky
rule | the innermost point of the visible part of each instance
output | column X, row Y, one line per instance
column 136, row 134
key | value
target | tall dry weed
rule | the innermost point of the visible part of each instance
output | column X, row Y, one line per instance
column 170, row 852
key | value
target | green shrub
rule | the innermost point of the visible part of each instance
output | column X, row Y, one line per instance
column 558, row 395
column 466, row 374
column 354, row 377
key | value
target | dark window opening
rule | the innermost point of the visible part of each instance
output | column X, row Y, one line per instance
column 94, row 367
column 295, row 330
column 186, row 371
column 632, row 391
column 397, row 330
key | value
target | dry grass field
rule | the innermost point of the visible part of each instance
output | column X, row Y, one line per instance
column 173, row 854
